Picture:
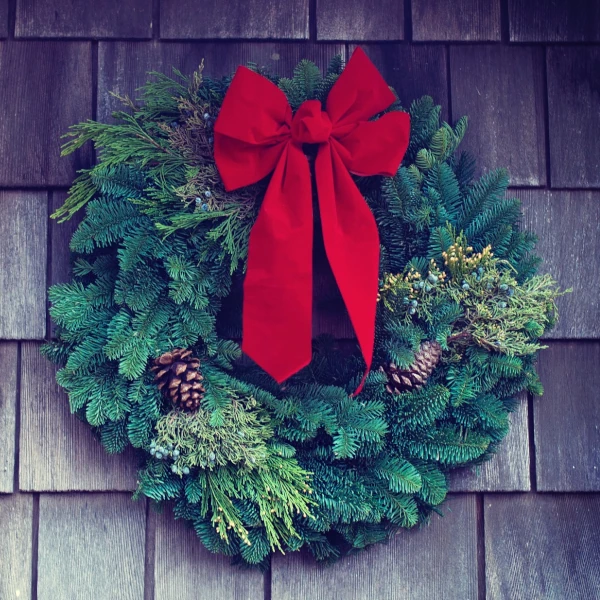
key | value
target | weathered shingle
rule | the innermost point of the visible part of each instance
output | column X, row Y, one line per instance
column 501, row 90
column 23, row 258
column 44, row 88
column 91, row 546
column 210, row 19
column 556, row 21
column 508, row 471
column 8, row 414
column 82, row 18
column 16, row 511
column 542, row 546
column 186, row 570
column 58, row 452
column 429, row 563
column 568, row 228
column 460, row 20
column 360, row 20
column 566, row 418
column 574, row 115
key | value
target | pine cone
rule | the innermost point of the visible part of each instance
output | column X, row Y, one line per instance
column 415, row 376
column 179, row 379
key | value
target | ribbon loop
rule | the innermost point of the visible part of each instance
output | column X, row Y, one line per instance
column 256, row 134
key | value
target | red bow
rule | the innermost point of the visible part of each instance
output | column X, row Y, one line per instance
column 256, row 134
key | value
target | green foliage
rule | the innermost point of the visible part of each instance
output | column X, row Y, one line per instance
column 449, row 445
column 120, row 181
column 418, row 410
column 305, row 85
column 402, row 476
column 262, row 467
column 240, row 439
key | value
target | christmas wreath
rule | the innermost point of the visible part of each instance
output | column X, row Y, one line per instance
column 206, row 185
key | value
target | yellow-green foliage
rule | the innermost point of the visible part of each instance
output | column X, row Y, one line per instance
column 237, row 461
column 240, row 440
column 280, row 488
column 492, row 307
column 509, row 323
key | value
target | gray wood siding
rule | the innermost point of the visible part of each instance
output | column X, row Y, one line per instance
column 501, row 89
column 82, row 18
column 91, row 546
column 16, row 528
column 461, row 20
column 44, row 88
column 542, row 546
column 188, row 19
column 567, row 224
column 23, row 255
column 9, row 357
column 567, row 418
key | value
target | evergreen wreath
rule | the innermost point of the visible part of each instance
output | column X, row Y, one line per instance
column 146, row 332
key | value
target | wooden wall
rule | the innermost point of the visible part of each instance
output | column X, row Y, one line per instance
column 527, row 72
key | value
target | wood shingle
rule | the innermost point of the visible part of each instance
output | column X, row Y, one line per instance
column 461, row 20
column 574, row 115
column 91, row 546
column 82, row 18
column 3, row 18
column 44, row 88
column 16, row 512
column 542, row 546
column 9, row 352
column 556, row 21
column 183, row 567
column 567, row 418
column 501, row 89
column 413, row 71
column 23, row 256
column 250, row 19
column 360, row 20
column 568, row 228
column 433, row 562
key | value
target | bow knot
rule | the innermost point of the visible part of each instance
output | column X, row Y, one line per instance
column 256, row 135
column 311, row 124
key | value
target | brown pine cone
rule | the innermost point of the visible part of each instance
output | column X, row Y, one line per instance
column 415, row 376
column 178, row 376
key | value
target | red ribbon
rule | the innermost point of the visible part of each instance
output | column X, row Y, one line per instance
column 256, row 134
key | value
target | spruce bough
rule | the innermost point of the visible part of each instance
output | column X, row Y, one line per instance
column 259, row 468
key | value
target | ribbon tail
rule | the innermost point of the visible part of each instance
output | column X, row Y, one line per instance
column 277, row 311
column 352, row 246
